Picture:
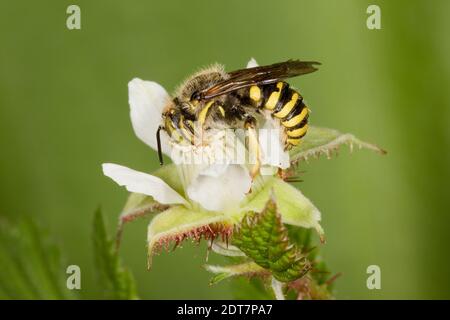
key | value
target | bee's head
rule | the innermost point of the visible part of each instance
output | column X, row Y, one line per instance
column 187, row 108
column 167, row 116
column 171, row 108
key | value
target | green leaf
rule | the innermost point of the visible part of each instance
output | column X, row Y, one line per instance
column 225, row 272
column 116, row 281
column 325, row 141
column 301, row 237
column 319, row 284
column 264, row 239
column 293, row 206
column 31, row 264
column 178, row 223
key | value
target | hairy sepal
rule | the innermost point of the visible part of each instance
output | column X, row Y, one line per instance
column 248, row 269
column 323, row 141
column 178, row 223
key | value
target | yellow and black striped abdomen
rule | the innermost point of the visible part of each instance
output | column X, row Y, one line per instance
column 285, row 104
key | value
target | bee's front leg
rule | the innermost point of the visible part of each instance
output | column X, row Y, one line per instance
column 253, row 145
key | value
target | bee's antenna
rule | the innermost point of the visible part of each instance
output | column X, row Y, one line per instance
column 158, row 141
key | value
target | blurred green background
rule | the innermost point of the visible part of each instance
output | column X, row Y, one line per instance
column 64, row 111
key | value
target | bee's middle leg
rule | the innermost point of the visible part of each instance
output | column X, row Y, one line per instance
column 253, row 145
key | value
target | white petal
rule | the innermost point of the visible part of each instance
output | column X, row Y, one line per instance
column 147, row 100
column 215, row 170
column 252, row 63
column 272, row 148
column 222, row 192
column 140, row 182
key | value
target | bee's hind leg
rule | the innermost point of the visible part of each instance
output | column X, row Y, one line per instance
column 254, row 148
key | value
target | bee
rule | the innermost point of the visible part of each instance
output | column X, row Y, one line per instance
column 232, row 99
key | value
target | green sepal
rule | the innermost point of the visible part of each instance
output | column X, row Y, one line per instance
column 178, row 223
column 225, row 272
column 323, row 141
column 293, row 207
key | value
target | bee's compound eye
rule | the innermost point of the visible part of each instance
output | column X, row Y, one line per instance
column 195, row 96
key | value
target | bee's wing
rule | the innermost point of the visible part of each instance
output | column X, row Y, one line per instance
column 258, row 75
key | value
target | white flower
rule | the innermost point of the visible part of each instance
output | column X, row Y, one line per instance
column 144, row 183
column 215, row 185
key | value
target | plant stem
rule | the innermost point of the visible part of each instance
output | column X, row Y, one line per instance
column 277, row 288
